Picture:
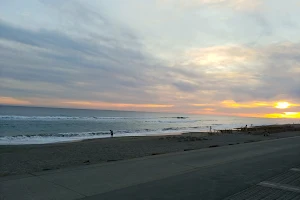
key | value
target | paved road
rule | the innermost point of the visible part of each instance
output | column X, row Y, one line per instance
column 214, row 173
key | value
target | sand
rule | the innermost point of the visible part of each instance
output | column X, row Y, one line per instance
column 23, row 159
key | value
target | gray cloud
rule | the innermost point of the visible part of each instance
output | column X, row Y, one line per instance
column 186, row 86
column 42, row 38
column 87, row 69
column 107, row 72
column 112, row 65
column 272, row 73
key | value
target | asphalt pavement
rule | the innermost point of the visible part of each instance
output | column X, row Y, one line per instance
column 212, row 173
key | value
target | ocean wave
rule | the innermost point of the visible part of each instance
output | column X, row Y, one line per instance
column 75, row 136
column 20, row 140
column 17, row 117
column 160, row 120
column 171, row 121
column 50, row 138
column 62, row 117
column 179, row 117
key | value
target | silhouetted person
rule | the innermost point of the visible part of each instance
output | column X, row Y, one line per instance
column 111, row 133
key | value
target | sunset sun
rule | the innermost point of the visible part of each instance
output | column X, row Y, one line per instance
column 282, row 105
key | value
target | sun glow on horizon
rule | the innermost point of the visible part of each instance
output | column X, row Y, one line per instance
column 259, row 109
column 234, row 104
column 290, row 115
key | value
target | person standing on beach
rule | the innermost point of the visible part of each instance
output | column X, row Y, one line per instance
column 111, row 133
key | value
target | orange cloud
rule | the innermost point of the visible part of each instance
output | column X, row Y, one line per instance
column 13, row 101
column 293, row 115
column 206, row 108
column 289, row 115
column 233, row 104
column 256, row 104
column 79, row 104
column 209, row 109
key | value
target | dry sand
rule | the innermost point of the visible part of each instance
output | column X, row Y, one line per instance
column 34, row 158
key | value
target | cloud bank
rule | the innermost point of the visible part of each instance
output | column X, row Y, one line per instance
column 89, row 59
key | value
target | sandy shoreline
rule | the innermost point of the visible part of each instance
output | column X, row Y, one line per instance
column 22, row 159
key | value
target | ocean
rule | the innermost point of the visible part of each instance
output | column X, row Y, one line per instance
column 35, row 125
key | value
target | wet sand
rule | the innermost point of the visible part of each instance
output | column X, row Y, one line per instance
column 23, row 159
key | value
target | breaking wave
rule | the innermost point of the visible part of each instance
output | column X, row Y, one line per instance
column 77, row 136
column 62, row 117
column 167, row 120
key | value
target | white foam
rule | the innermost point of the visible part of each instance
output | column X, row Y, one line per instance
column 95, row 118
column 41, row 140
column 77, row 136
column 50, row 118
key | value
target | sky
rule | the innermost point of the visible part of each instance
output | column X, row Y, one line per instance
column 216, row 57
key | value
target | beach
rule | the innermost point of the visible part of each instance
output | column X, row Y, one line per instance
column 21, row 159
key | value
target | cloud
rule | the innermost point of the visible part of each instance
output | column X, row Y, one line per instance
column 41, row 38
column 90, row 59
column 186, row 86
column 209, row 109
column 41, row 61
column 13, row 101
column 283, row 115
column 202, row 104
column 55, row 63
column 233, row 104
column 220, row 56
column 257, row 104
column 82, row 104
column 234, row 4
column 241, row 73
